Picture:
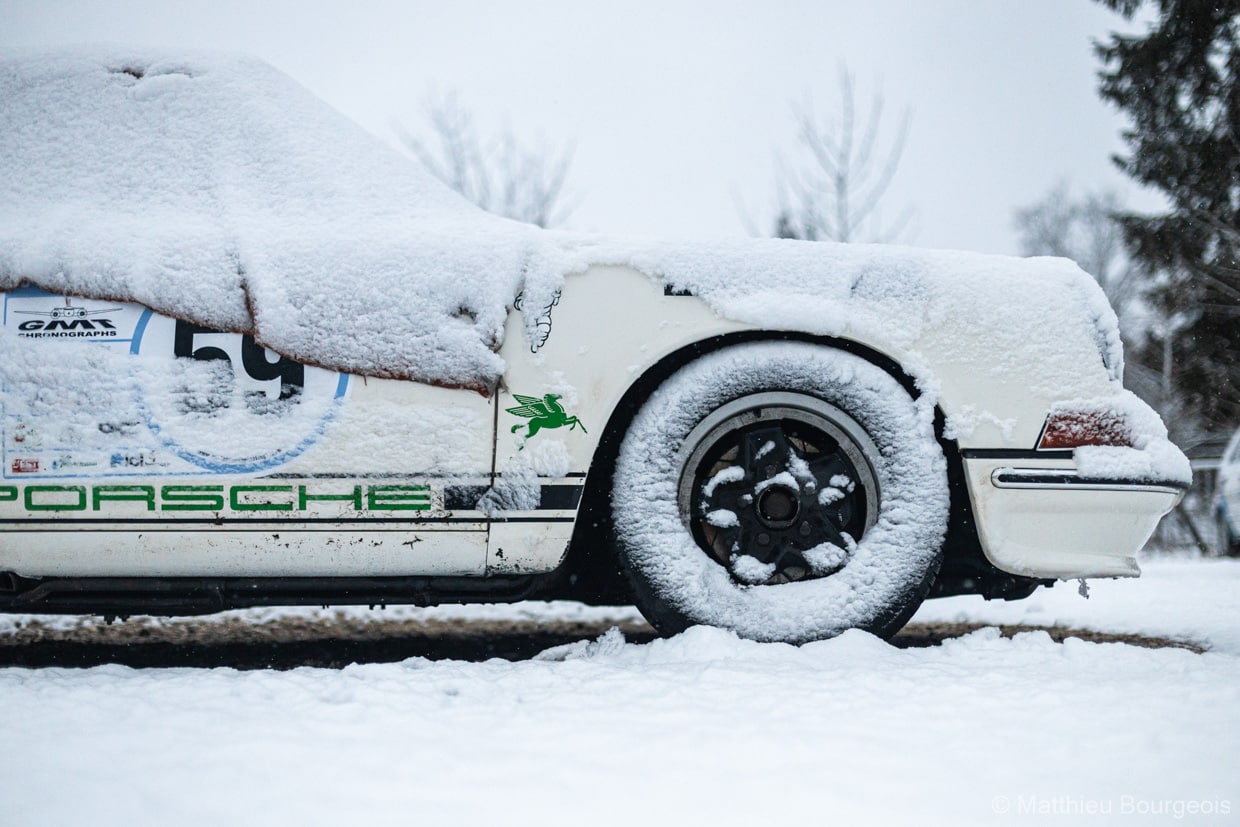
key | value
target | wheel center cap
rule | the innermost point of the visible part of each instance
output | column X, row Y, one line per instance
column 778, row 506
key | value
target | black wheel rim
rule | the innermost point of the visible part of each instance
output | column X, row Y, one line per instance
column 777, row 488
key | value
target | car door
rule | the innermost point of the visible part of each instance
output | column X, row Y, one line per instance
column 135, row 444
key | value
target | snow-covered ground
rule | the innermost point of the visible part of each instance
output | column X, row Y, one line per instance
column 701, row 728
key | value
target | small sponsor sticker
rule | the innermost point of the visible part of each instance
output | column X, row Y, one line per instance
column 137, row 459
column 69, row 461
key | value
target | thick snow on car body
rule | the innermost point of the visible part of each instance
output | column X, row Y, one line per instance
column 416, row 401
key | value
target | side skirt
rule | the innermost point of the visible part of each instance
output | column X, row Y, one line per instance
column 124, row 596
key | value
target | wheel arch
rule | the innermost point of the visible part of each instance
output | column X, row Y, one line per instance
column 591, row 571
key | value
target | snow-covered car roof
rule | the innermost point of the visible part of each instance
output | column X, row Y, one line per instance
column 214, row 188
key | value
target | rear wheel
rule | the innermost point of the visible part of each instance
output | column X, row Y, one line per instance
column 782, row 490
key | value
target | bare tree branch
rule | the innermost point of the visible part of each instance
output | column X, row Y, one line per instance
column 834, row 191
column 500, row 175
column 1086, row 230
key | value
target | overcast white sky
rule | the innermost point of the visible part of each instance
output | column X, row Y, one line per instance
column 676, row 108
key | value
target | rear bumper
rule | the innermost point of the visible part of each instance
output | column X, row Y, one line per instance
column 1040, row 518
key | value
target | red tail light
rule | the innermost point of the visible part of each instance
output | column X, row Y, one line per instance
column 1072, row 429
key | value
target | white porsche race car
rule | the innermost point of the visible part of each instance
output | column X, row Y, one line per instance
column 251, row 357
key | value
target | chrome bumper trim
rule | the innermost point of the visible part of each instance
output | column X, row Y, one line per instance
column 1052, row 479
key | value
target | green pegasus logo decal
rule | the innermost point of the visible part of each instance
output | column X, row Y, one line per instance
column 543, row 414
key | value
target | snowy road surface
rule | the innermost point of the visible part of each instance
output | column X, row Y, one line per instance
column 698, row 729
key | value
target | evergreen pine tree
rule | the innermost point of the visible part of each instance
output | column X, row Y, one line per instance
column 1179, row 84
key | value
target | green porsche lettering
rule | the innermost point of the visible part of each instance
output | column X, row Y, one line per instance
column 192, row 498
column 304, row 497
column 123, row 493
column 216, row 498
column 398, row 498
column 44, row 498
column 238, row 491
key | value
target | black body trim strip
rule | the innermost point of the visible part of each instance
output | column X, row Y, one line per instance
column 1013, row 453
column 286, row 525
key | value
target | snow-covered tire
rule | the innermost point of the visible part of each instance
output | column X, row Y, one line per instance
column 886, row 478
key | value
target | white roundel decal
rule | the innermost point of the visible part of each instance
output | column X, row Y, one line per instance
column 226, row 403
